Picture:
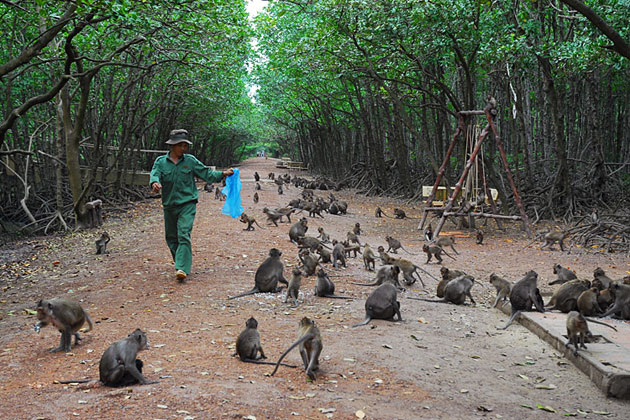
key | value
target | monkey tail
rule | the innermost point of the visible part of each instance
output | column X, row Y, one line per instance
column 600, row 323
column 365, row 321
column 250, row 292
column 514, row 315
column 89, row 321
column 426, row 272
column 427, row 300
column 405, row 249
column 264, row 362
column 447, row 254
column 75, row 381
column 365, row 284
column 259, row 225
column 338, row 297
column 291, row 347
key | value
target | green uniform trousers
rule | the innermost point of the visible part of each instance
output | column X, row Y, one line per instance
column 178, row 224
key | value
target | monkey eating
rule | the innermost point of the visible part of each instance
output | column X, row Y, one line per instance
column 101, row 243
column 382, row 304
column 67, row 316
column 250, row 221
column 248, row 345
column 523, row 295
column 119, row 365
column 324, row 287
column 310, row 342
column 267, row 276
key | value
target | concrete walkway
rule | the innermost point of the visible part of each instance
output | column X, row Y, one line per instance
column 606, row 362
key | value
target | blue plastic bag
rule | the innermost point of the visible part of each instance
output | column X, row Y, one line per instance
column 232, row 190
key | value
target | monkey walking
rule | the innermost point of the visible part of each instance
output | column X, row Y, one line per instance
column 248, row 345
column 387, row 273
column 437, row 251
column 310, row 342
column 250, row 221
column 67, row 316
column 268, row 274
column 378, row 212
column 578, row 331
column 455, row 291
column 101, row 243
column 553, row 237
column 444, row 241
column 395, row 245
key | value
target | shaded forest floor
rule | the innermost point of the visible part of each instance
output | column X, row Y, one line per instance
column 443, row 361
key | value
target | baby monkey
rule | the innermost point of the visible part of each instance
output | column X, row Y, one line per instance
column 101, row 243
column 248, row 345
column 250, row 221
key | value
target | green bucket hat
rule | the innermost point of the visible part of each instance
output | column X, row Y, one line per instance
column 178, row 136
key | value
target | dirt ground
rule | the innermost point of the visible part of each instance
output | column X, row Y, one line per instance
column 442, row 362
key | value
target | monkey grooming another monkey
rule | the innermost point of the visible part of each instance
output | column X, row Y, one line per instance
column 248, row 345
column 564, row 275
column 447, row 276
column 293, row 290
column 381, row 304
column 621, row 306
column 268, row 274
column 455, row 291
column 587, row 303
column 250, row 221
column 119, row 365
column 324, row 287
column 523, row 295
column 437, row 251
column 395, row 245
column 310, row 342
column 67, row 316
column 503, row 288
column 599, row 274
column 369, row 258
column 553, row 237
column 101, row 243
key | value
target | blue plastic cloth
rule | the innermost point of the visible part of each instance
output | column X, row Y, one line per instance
column 232, row 190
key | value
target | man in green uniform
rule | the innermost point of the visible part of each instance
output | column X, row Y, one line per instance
column 174, row 174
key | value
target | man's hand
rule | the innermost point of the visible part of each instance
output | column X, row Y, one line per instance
column 156, row 186
column 228, row 172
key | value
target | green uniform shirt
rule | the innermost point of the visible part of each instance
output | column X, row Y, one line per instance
column 178, row 180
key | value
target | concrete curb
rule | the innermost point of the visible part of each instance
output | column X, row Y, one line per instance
column 606, row 362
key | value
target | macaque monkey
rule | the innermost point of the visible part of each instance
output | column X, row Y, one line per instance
column 271, row 176
column 587, row 303
column 256, row 197
column 395, row 245
column 67, row 316
column 101, row 243
column 386, row 259
column 378, row 212
column 323, row 235
column 399, row 213
column 338, row 253
column 553, row 237
column 208, row 188
column 324, row 286
column 599, row 274
column 349, row 249
column 324, row 254
column 382, row 304
column 565, row 298
column 280, row 190
column 258, row 187
column 293, row 290
column 444, row 241
column 523, row 295
column 578, row 331
column 564, row 275
column 428, row 233
column 479, row 237
column 352, row 237
column 298, row 229
column 248, row 345
column 455, row 291
column 218, row 195
column 272, row 216
column 447, row 276
column 409, row 269
column 309, row 261
column 119, row 365
column 435, row 250
column 369, row 258
column 385, row 274
column 503, row 288
column 621, row 306
column 268, row 275
column 250, row 222
column 310, row 342
column 357, row 229
column 256, row 176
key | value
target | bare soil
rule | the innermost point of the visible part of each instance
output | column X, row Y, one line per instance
column 443, row 361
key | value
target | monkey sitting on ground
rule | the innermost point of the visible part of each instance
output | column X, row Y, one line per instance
column 250, row 221
column 323, row 235
column 255, row 197
column 67, row 316
column 553, row 237
column 280, row 191
column 369, row 258
column 208, row 188
column 256, row 176
column 599, row 274
column 447, row 276
column 309, row 261
column 324, row 254
column 324, row 287
column 479, row 237
column 248, row 345
column 564, row 275
column 357, row 229
column 399, row 213
column 101, row 243
column 119, row 365
column 382, row 304
column 503, row 288
column 298, row 229
column 428, row 233
column 310, row 342
column 293, row 290
column 395, row 245
column 523, row 295
column 258, row 187
column 385, row 274
column 435, row 250
column 565, row 298
column 587, row 303
column 455, row 291
column 268, row 274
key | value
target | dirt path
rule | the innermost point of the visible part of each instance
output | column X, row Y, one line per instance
column 442, row 362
